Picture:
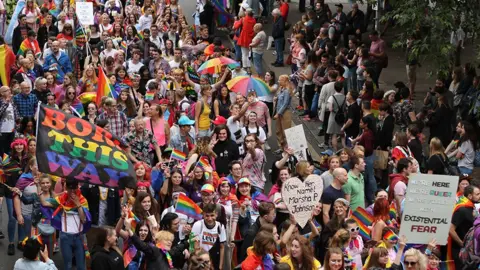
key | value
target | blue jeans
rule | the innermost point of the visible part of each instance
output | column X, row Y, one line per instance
column 70, row 245
column 314, row 108
column 25, row 229
column 370, row 182
column 11, row 222
column 279, row 43
column 257, row 63
column 464, row 170
column 238, row 52
column 353, row 78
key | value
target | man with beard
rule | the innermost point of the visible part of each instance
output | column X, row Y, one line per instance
column 58, row 59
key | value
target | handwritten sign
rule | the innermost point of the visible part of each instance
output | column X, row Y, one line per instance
column 84, row 12
column 301, row 197
column 297, row 141
column 428, row 208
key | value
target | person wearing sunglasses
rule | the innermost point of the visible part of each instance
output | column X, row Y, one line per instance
column 414, row 260
column 355, row 246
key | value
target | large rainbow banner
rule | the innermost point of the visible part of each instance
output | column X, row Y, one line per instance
column 71, row 147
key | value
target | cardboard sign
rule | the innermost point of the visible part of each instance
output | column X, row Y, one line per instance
column 84, row 12
column 301, row 197
column 428, row 208
column 296, row 140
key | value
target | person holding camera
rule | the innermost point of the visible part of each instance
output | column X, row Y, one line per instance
column 31, row 249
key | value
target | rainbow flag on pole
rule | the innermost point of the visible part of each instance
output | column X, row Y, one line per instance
column 364, row 220
column 104, row 87
column 87, row 97
column 187, row 207
column 203, row 163
column 178, row 155
column 7, row 60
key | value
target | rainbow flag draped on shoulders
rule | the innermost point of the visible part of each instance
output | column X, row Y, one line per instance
column 7, row 59
column 462, row 202
column 32, row 45
column 104, row 87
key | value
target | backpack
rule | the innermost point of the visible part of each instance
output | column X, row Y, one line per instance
column 467, row 252
column 340, row 114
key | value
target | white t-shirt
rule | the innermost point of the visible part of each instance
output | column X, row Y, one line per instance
column 261, row 135
column 132, row 67
column 174, row 64
column 145, row 22
column 8, row 121
column 207, row 236
column 236, row 133
column 105, row 53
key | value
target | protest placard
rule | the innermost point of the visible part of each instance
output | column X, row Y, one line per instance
column 68, row 146
column 301, row 197
column 296, row 140
column 84, row 12
column 428, row 208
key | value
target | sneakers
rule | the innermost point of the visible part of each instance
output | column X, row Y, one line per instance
column 11, row 249
column 307, row 118
column 20, row 246
column 323, row 145
column 2, row 236
column 299, row 107
column 56, row 248
column 267, row 147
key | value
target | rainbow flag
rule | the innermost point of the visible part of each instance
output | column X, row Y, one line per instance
column 203, row 163
column 104, row 87
column 364, row 220
column 223, row 17
column 390, row 236
column 135, row 219
column 77, row 107
column 26, row 44
column 149, row 95
column 393, row 210
column 140, row 35
column 87, row 97
column 7, row 60
column 129, row 255
column 123, row 45
column 187, row 207
column 178, row 155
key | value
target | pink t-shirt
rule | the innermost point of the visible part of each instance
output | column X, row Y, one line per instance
column 261, row 110
column 252, row 168
column 377, row 46
column 158, row 131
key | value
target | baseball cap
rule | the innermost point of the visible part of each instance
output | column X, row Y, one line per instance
column 219, row 120
column 208, row 188
column 163, row 101
column 243, row 180
column 185, row 121
column 71, row 183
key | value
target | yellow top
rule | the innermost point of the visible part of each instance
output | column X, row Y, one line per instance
column 204, row 118
column 288, row 260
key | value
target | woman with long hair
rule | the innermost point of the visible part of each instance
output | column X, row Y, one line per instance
column 221, row 105
column 437, row 160
column 283, row 113
column 334, row 259
column 68, row 80
column 93, row 59
column 27, row 128
column 463, row 150
column 158, row 126
column 379, row 258
column 195, row 180
column 301, row 255
column 340, row 210
column 308, row 86
column 88, row 82
column 270, row 80
column 32, row 13
column 171, row 223
column 105, row 253
column 32, row 147
column 122, row 76
column 275, row 196
column 341, row 239
column 258, row 256
column 202, row 112
column 51, row 82
column 251, row 127
column 66, row 33
column 166, row 193
column 126, row 104
column 401, row 149
column 249, row 200
column 70, row 96
column 253, row 162
column 381, row 209
column 142, row 231
column 146, row 208
column 203, row 148
column 462, row 184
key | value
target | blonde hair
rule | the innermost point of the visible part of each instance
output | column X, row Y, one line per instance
column 163, row 235
column 287, row 78
column 422, row 259
column 436, row 147
column 302, row 168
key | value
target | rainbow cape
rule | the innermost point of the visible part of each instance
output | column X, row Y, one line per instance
column 364, row 220
column 390, row 236
column 128, row 255
column 104, row 87
column 7, row 59
column 222, row 17
column 26, row 44
column 178, row 155
column 462, row 202
column 187, row 207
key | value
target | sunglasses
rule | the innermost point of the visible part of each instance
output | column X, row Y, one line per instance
column 356, row 229
column 336, row 261
column 407, row 263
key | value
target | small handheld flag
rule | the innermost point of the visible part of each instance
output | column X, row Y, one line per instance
column 187, row 207
column 178, row 155
column 391, row 236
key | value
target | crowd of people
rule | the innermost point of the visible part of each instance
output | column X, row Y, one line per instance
column 374, row 139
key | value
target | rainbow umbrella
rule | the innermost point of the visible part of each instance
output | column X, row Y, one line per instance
column 214, row 65
column 209, row 50
column 242, row 84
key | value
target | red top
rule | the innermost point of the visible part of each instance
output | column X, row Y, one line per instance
column 247, row 34
column 284, row 10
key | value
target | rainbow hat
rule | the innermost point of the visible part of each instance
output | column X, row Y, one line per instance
column 243, row 180
column 208, row 188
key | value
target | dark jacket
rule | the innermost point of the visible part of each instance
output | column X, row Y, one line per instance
column 17, row 37
column 106, row 260
column 42, row 95
column 155, row 258
column 278, row 30
column 248, row 240
column 92, row 194
column 384, row 133
column 178, row 247
column 356, row 21
column 44, row 33
column 440, row 124
column 227, row 151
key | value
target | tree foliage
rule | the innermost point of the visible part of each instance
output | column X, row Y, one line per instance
column 432, row 22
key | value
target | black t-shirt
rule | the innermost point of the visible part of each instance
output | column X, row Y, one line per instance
column 227, row 151
column 416, row 148
column 463, row 221
column 354, row 113
column 330, row 194
column 436, row 163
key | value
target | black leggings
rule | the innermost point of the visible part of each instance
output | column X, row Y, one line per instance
column 309, row 92
column 5, row 140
